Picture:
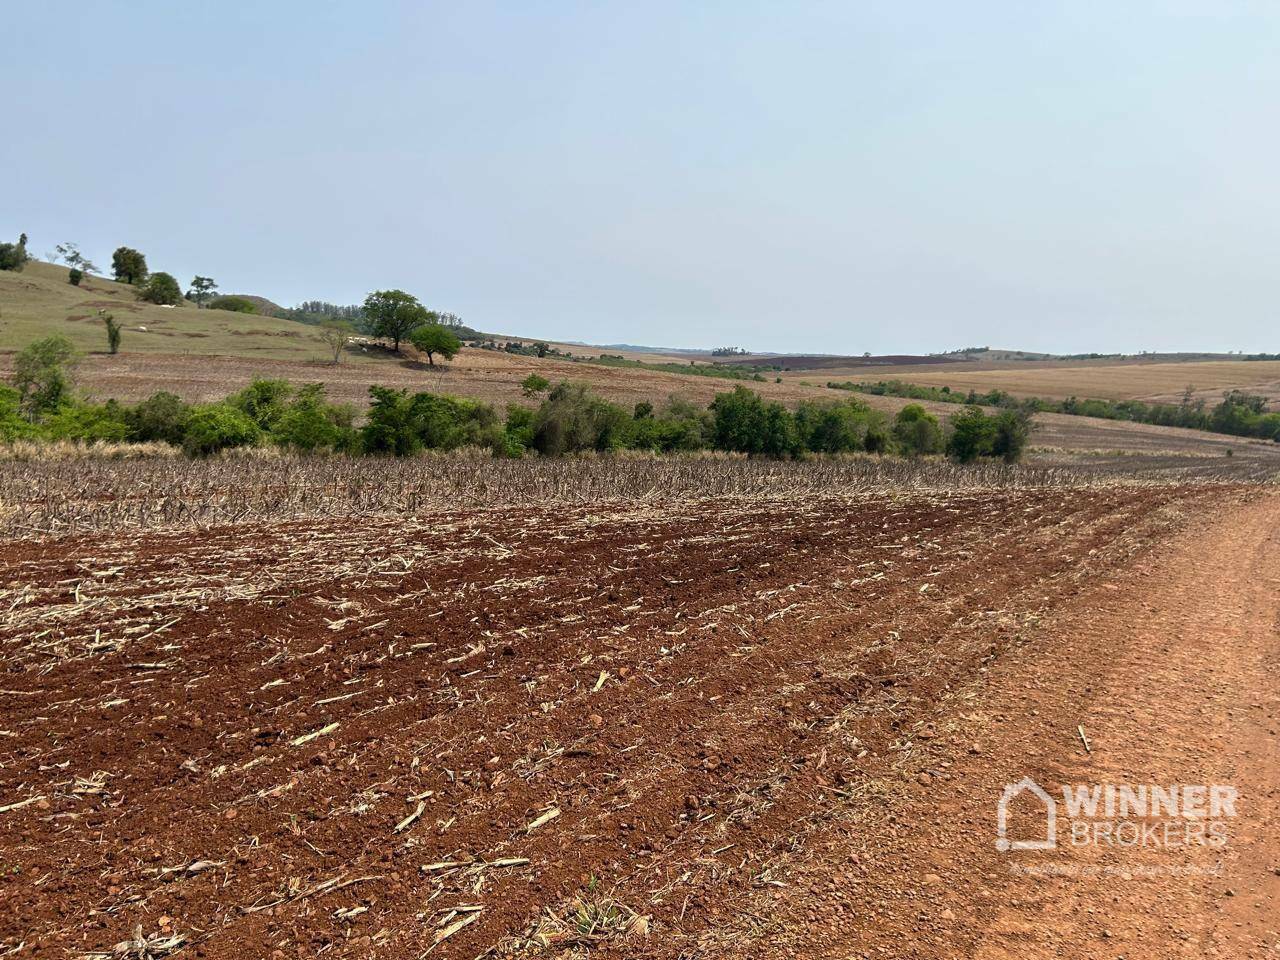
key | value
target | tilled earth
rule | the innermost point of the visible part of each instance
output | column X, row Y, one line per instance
column 504, row 732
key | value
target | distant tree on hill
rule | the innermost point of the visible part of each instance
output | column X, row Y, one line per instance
column 74, row 277
column 70, row 253
column 446, row 319
column 161, row 288
column 335, row 334
column 13, row 256
column 234, row 304
column 201, row 291
column 432, row 339
column 129, row 266
column 394, row 314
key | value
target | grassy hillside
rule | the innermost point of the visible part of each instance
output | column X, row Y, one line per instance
column 39, row 301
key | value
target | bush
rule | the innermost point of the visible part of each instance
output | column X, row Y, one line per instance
column 745, row 423
column 1012, row 430
column 972, row 435
column 74, row 276
column 88, row 423
column 309, row 423
column 234, row 304
column 13, row 425
column 571, row 420
column 129, row 266
column 534, row 384
column 262, row 401
column 680, row 425
column 841, row 427
column 41, row 372
column 13, row 256
column 917, row 432
column 216, row 427
column 161, row 418
column 161, row 288
column 390, row 428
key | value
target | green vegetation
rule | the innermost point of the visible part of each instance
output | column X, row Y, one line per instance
column 74, row 276
column 571, row 420
column 394, row 314
column 698, row 369
column 534, row 384
column 129, row 266
column 161, row 288
column 113, row 332
column 13, row 256
column 201, row 291
column 1239, row 413
column 432, row 339
column 234, row 304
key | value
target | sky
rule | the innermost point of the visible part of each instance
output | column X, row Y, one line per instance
column 794, row 177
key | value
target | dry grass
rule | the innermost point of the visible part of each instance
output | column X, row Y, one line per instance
column 75, row 495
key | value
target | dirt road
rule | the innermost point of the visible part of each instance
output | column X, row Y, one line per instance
column 1171, row 670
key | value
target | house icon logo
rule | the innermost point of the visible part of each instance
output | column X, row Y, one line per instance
column 1011, row 792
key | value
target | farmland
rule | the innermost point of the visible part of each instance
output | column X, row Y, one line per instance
column 520, row 708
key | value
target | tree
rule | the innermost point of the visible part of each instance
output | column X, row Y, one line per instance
column 394, row 314
column 113, row 332
column 217, row 427
column 201, row 290
column 972, row 435
column 70, row 252
column 917, row 431
column 534, row 384
column 1012, row 430
column 161, row 418
column 74, row 277
column 432, row 339
column 335, row 334
column 13, row 256
column 161, row 288
column 41, row 372
column 449, row 320
column 129, row 266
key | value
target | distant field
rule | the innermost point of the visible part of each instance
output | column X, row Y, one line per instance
column 39, row 301
column 1108, row 380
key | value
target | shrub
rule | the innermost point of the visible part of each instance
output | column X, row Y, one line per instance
column 234, row 304
column 745, row 423
column 1012, row 429
column 390, row 428
column 41, row 372
column 534, row 384
column 74, row 276
column 841, row 427
column 262, row 401
column 88, row 423
column 216, row 427
column 571, row 420
column 518, row 433
column 129, row 266
column 972, row 435
column 432, row 338
column 917, row 432
column 309, row 423
column 13, row 256
column 161, row 288
column 161, row 418
column 680, row 425
column 13, row 425
column 113, row 332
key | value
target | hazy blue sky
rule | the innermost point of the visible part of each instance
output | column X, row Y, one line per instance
column 832, row 177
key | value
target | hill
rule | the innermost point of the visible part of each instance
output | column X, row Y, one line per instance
column 39, row 301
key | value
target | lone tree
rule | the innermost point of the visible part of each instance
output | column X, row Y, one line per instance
column 70, row 252
column 394, row 314
column 335, row 334
column 432, row 339
column 129, row 266
column 161, row 288
column 113, row 332
column 535, row 383
column 201, row 290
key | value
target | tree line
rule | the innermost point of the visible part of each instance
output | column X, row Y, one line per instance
column 1238, row 414
column 42, row 404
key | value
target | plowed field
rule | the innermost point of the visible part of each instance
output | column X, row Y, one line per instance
column 512, row 731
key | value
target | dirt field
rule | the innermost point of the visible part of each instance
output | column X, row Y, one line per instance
column 714, row 729
column 1103, row 379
